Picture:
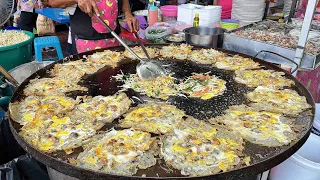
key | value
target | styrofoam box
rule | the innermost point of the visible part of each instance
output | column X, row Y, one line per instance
column 210, row 14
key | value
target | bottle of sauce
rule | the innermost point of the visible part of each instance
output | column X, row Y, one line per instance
column 196, row 20
column 152, row 13
column 159, row 11
column 281, row 20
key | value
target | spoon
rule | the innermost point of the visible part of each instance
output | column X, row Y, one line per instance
column 145, row 69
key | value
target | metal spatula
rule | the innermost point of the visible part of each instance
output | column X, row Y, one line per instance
column 145, row 69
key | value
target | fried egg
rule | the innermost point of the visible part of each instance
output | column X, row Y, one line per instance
column 236, row 63
column 180, row 52
column 119, row 152
column 284, row 101
column 105, row 108
column 161, row 87
column 51, row 87
column 205, row 56
column 259, row 127
column 269, row 78
column 157, row 118
column 198, row 148
column 153, row 53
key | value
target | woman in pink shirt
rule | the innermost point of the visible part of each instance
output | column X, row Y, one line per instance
column 226, row 8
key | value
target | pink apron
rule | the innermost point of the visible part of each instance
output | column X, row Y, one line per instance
column 109, row 13
column 226, row 8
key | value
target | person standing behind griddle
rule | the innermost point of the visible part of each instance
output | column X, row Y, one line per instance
column 86, row 31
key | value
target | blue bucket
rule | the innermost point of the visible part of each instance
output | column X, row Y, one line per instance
column 12, row 28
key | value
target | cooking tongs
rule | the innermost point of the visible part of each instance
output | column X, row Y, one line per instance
column 145, row 69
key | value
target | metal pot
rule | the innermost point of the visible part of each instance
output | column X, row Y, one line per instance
column 204, row 36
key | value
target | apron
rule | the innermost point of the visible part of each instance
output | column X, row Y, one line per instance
column 88, row 33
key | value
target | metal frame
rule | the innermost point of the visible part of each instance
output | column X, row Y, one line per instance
column 310, row 11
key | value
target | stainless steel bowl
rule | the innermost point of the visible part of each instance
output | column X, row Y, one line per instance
column 204, row 36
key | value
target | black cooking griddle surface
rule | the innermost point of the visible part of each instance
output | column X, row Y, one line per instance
column 103, row 83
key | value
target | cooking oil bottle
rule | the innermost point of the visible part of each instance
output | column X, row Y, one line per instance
column 196, row 20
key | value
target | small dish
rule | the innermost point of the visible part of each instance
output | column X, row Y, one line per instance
column 175, row 38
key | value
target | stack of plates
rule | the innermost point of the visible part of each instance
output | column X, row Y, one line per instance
column 248, row 11
column 208, row 15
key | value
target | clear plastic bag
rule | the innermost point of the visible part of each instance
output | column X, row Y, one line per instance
column 155, row 34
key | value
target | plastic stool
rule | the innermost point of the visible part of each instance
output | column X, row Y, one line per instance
column 48, row 41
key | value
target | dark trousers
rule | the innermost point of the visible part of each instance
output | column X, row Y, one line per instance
column 27, row 21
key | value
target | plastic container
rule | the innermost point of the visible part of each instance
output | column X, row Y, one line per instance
column 303, row 165
column 169, row 13
column 12, row 28
column 156, row 34
column 229, row 23
column 17, row 54
column 316, row 124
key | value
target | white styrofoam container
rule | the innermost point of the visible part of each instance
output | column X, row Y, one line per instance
column 185, row 13
column 303, row 165
column 210, row 14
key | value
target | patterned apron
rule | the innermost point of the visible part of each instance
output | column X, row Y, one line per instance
column 96, row 36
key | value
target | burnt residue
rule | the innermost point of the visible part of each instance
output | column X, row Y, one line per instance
column 102, row 83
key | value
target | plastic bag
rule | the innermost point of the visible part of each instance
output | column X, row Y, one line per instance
column 16, row 17
column 9, row 147
column 155, row 34
column 23, row 168
column 45, row 25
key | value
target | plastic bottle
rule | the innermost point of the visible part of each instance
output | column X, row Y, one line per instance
column 152, row 13
column 196, row 20
column 159, row 11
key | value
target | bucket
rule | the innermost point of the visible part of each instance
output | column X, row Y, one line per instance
column 303, row 165
column 169, row 13
column 169, row 10
column 17, row 54
column 316, row 124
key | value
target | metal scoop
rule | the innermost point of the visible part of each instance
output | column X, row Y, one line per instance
column 145, row 69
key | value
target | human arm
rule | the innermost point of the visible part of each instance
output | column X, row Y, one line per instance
column 87, row 6
column 62, row 3
column 215, row 2
column 132, row 22
column 19, row 5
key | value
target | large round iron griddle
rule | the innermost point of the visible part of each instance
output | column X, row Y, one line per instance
column 101, row 83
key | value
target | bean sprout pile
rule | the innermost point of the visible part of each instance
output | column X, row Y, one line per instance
column 8, row 38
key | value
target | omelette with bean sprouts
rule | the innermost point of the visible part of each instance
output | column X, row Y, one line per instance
column 203, row 86
column 119, row 152
column 198, row 148
column 284, row 101
column 157, row 118
column 161, row 87
column 259, row 127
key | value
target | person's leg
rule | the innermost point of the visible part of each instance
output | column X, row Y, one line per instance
column 34, row 20
column 26, row 21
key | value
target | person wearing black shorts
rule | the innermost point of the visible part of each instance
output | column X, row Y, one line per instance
column 28, row 17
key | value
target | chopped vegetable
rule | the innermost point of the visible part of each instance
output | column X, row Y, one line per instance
column 8, row 38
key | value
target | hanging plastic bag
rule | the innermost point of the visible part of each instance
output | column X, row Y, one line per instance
column 45, row 25
column 16, row 17
column 22, row 168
